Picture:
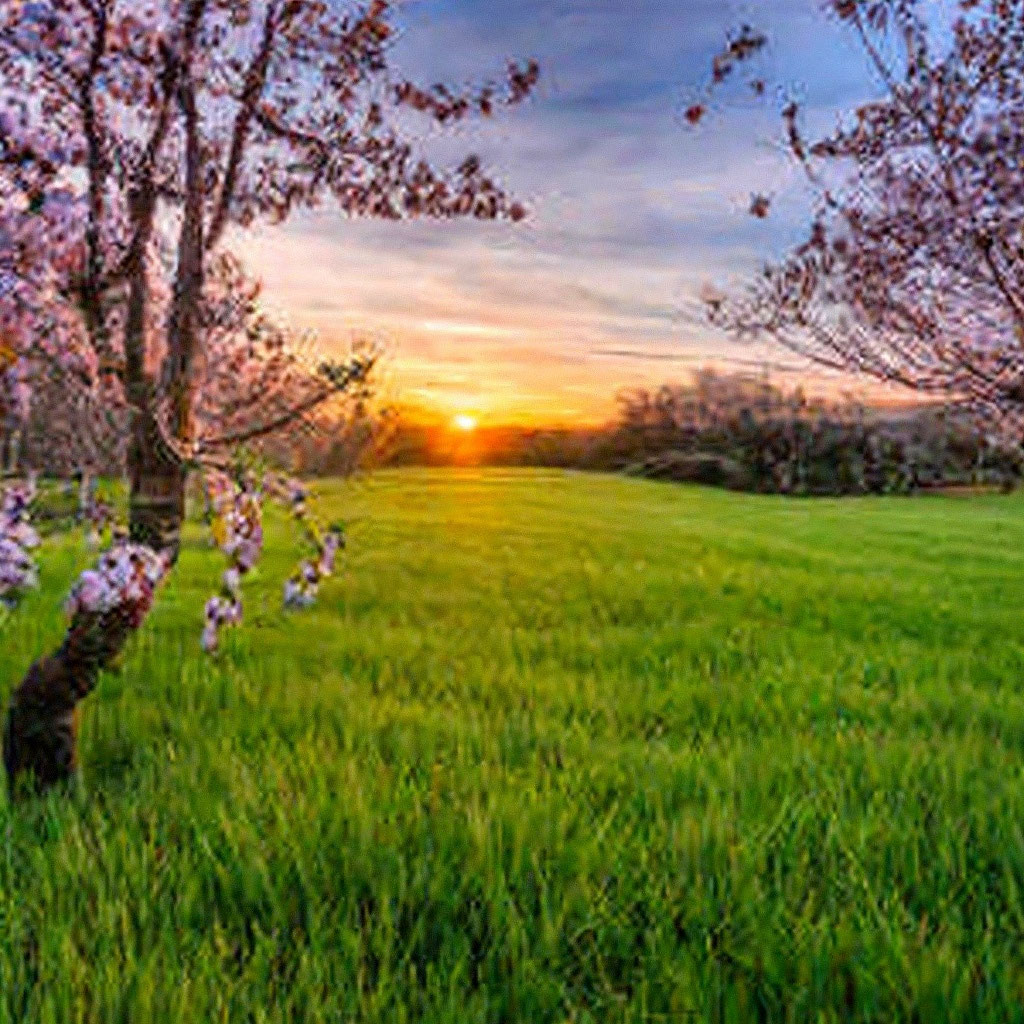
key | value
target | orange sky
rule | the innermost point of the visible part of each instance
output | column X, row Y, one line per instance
column 630, row 214
column 449, row 350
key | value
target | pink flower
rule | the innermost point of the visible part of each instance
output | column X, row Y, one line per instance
column 210, row 639
column 17, row 538
column 232, row 580
column 247, row 554
column 125, row 578
column 298, row 594
column 92, row 594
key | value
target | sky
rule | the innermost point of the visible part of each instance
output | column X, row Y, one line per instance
column 631, row 211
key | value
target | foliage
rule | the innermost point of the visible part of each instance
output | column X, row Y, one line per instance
column 553, row 748
column 409, row 442
column 745, row 433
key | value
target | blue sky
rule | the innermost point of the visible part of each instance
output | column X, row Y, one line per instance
column 630, row 210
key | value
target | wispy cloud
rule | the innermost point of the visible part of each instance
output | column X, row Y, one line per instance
column 631, row 212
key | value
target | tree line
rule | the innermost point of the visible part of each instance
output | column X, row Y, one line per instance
column 746, row 433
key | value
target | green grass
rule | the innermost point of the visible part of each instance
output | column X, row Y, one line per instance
column 551, row 748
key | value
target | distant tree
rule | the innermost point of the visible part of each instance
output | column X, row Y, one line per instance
column 256, row 378
column 342, row 440
column 912, row 271
column 133, row 136
column 746, row 433
column 256, row 383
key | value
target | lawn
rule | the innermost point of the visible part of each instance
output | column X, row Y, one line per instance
column 551, row 748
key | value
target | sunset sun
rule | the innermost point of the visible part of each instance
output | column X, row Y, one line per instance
column 465, row 422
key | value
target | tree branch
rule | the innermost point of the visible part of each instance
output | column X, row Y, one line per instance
column 252, row 92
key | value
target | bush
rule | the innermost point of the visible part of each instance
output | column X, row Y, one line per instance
column 707, row 468
column 741, row 432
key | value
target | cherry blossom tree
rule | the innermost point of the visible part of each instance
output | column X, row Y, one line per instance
column 134, row 136
column 912, row 271
column 257, row 382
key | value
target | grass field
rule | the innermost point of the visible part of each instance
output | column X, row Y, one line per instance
column 551, row 748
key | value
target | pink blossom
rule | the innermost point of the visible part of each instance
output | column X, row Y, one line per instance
column 92, row 593
column 17, row 538
column 232, row 580
column 240, row 534
column 210, row 638
column 124, row 580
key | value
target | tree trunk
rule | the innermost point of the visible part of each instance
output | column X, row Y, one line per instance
column 86, row 494
column 41, row 730
column 157, row 478
column 42, row 720
column 158, row 474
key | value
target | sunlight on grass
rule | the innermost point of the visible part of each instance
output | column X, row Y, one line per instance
column 552, row 748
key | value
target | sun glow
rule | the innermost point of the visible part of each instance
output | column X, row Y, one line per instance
column 464, row 422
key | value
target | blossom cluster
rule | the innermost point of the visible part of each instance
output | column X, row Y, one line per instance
column 302, row 588
column 17, row 539
column 238, row 532
column 124, row 580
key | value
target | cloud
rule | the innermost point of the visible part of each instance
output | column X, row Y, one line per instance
column 631, row 212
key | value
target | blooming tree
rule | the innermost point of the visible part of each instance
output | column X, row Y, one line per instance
column 133, row 137
column 912, row 271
